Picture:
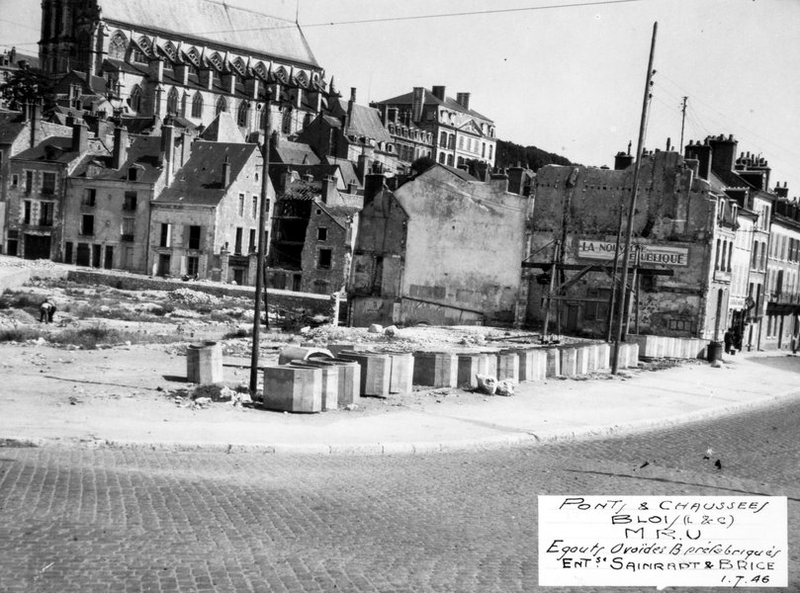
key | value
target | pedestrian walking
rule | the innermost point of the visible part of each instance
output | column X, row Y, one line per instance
column 728, row 339
column 46, row 311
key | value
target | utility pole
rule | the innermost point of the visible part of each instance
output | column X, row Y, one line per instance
column 632, row 208
column 683, row 122
column 262, row 246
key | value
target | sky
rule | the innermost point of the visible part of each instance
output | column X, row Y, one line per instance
column 566, row 76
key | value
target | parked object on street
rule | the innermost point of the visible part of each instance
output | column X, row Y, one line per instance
column 204, row 363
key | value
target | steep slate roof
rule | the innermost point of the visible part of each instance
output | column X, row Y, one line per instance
column 364, row 121
column 215, row 22
column 143, row 152
column 58, row 149
column 294, row 153
column 347, row 169
column 223, row 129
column 199, row 181
column 430, row 98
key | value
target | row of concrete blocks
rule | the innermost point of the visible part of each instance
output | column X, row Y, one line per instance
column 316, row 385
column 669, row 347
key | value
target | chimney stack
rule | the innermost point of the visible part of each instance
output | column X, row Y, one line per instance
column 328, row 189
column 226, row 172
column 417, row 102
column 168, row 148
column 702, row 154
column 80, row 137
column 462, row 99
column 438, row 92
column 120, row 152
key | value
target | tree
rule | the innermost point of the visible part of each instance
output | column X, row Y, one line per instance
column 421, row 165
column 27, row 85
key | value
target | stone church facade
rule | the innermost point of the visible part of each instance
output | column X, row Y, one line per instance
column 190, row 59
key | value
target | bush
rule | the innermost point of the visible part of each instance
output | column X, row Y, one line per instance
column 88, row 338
column 19, row 334
column 20, row 300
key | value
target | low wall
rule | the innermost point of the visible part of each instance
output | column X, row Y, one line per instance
column 282, row 299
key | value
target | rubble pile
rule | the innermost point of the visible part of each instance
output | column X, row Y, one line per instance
column 192, row 297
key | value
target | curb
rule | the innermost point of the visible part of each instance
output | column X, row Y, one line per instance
column 505, row 441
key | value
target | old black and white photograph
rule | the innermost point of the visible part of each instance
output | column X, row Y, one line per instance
column 380, row 296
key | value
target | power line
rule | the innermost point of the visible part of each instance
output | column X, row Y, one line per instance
column 433, row 16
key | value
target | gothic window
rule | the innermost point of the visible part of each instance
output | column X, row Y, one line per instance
column 117, row 46
column 243, row 117
column 135, row 100
column 197, row 105
column 184, row 101
column 222, row 105
column 286, row 126
column 172, row 101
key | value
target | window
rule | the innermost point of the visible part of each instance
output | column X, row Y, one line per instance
column 192, row 265
column 133, row 174
column 46, row 213
column 165, row 238
column 138, row 57
column 117, row 46
column 453, row 141
column 87, row 225
column 325, row 257
column 90, row 197
column 443, row 140
column 128, row 229
column 172, row 101
column 15, row 181
column 252, row 241
column 237, row 245
column 254, row 213
column 197, row 105
column 129, row 202
column 135, row 100
column 322, row 234
column 717, row 254
column 243, row 116
column 68, row 252
column 48, row 183
column 194, row 237
column 241, row 204
column 26, row 214
column 450, row 160
column 286, row 124
column 222, row 105
column 28, row 182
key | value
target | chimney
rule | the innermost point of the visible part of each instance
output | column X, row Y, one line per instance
column 516, row 179
column 702, row 154
column 723, row 153
column 362, row 167
column 499, row 181
column 622, row 161
column 373, row 184
column 328, row 189
column 12, row 56
column 350, row 104
column 782, row 192
column 417, row 102
column 119, row 153
column 80, row 137
column 226, row 172
column 168, row 149
column 462, row 99
column 438, row 92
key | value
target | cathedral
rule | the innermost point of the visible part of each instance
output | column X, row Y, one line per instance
column 188, row 59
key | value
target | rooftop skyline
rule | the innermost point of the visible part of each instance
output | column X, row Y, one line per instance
column 565, row 76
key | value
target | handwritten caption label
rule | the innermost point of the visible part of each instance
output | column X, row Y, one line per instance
column 669, row 541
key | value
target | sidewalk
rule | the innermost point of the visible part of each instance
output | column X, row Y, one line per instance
column 53, row 401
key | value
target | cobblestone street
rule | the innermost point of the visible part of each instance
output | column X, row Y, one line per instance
column 134, row 521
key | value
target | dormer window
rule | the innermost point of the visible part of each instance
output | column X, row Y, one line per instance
column 133, row 174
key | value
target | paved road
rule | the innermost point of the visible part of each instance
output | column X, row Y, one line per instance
column 132, row 521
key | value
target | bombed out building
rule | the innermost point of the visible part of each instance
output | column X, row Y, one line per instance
column 678, row 286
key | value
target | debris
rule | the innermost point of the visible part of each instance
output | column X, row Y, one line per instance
column 351, row 407
column 375, row 328
column 644, row 465
column 505, row 388
column 717, row 364
column 718, row 464
column 74, row 400
column 486, row 384
column 202, row 402
column 390, row 331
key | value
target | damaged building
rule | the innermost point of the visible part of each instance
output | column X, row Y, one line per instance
column 313, row 230
column 683, row 235
column 439, row 249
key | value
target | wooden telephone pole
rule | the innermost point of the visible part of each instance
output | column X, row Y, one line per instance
column 626, row 254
